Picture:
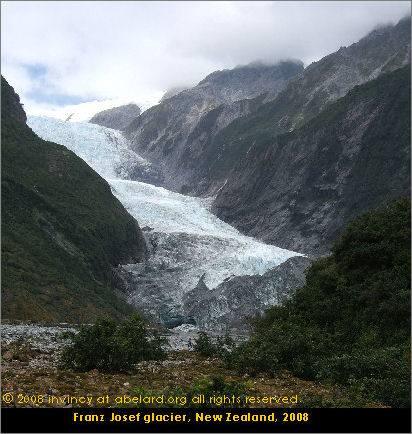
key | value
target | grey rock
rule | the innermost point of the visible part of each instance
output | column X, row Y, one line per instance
column 305, row 96
column 228, row 306
column 172, row 92
column 116, row 118
column 38, row 336
column 163, row 133
column 200, row 134
column 299, row 190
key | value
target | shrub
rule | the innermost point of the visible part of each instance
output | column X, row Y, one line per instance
column 378, row 374
column 350, row 323
column 252, row 357
column 110, row 347
column 206, row 347
column 218, row 392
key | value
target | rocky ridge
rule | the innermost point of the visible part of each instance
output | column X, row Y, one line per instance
column 199, row 141
column 164, row 133
column 116, row 118
column 307, row 94
column 230, row 304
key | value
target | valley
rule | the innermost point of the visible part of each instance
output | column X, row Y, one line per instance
column 187, row 243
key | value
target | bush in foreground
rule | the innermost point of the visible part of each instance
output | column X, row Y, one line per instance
column 111, row 347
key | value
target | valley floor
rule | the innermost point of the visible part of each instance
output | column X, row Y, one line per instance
column 30, row 373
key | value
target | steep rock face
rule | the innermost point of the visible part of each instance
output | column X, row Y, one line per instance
column 230, row 304
column 200, row 134
column 163, row 134
column 116, row 118
column 308, row 93
column 63, row 232
column 300, row 189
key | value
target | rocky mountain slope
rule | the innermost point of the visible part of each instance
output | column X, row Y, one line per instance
column 169, row 132
column 116, row 118
column 200, row 134
column 307, row 94
column 298, row 190
column 63, row 232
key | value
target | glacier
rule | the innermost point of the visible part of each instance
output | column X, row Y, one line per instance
column 188, row 244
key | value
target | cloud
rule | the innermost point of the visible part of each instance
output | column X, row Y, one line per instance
column 58, row 52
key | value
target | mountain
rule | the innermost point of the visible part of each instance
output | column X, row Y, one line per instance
column 304, row 97
column 168, row 133
column 299, row 189
column 172, row 92
column 63, row 232
column 116, row 118
column 199, row 143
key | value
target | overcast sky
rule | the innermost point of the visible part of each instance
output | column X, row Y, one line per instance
column 57, row 53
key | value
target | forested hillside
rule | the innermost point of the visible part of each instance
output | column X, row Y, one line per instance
column 63, row 231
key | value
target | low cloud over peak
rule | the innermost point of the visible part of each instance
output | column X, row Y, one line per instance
column 55, row 53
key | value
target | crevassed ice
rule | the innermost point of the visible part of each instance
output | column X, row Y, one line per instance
column 170, row 212
column 218, row 251
column 104, row 149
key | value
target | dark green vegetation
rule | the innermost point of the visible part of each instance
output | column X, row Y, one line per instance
column 63, row 231
column 350, row 323
column 110, row 347
column 207, row 347
column 300, row 189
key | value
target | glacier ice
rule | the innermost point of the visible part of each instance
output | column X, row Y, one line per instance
column 186, row 240
column 104, row 149
column 220, row 250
